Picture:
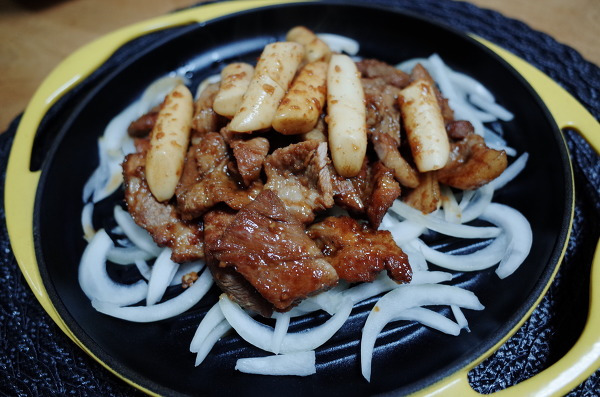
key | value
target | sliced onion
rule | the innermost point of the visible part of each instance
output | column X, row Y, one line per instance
column 298, row 364
column 478, row 260
column 408, row 65
column 211, row 319
column 518, row 232
column 161, row 311
column 404, row 297
column 491, row 107
column 211, row 340
column 461, row 320
column 482, row 198
column 429, row 318
column 469, row 85
column 282, row 323
column 137, row 235
column 430, row 277
column 339, row 43
column 452, row 212
column 433, row 222
column 261, row 335
column 510, row 172
column 416, row 259
column 402, row 231
column 95, row 281
column 367, row 290
column 86, row 222
column 163, row 271
column 127, row 255
column 143, row 268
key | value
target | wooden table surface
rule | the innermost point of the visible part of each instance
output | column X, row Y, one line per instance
column 35, row 35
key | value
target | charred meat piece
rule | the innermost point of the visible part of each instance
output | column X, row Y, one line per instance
column 359, row 253
column 161, row 220
column 387, row 151
column 227, row 278
column 141, row 127
column 271, row 250
column 250, row 156
column 420, row 73
column 384, row 191
column 299, row 174
column 205, row 180
column 383, row 113
column 205, row 118
column 425, row 197
column 373, row 68
column 459, row 129
column 472, row 164
column 370, row 193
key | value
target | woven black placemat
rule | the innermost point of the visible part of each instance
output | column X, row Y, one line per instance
column 37, row 359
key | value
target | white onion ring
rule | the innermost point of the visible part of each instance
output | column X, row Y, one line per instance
column 518, row 232
column 433, row 222
column 429, row 318
column 211, row 340
column 211, row 319
column 95, row 281
column 163, row 271
column 404, row 297
column 481, row 199
column 510, row 172
column 86, row 222
column 430, row 277
column 161, row 311
column 298, row 364
column 339, row 43
column 136, row 234
column 461, row 320
column 127, row 255
column 186, row 268
column 402, row 231
column 478, row 260
column 282, row 323
column 261, row 336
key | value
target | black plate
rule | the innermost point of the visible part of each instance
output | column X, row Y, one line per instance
column 407, row 357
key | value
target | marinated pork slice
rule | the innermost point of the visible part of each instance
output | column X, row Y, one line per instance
column 226, row 277
column 384, row 191
column 205, row 180
column 359, row 253
column 271, row 250
column 161, row 220
column 299, row 174
column 205, row 118
column 472, row 164
column 387, row 151
column 374, row 68
column 383, row 113
column 249, row 157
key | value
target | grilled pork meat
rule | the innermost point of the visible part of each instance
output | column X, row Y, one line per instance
column 299, row 174
column 359, row 253
column 206, row 181
column 268, row 246
column 161, row 220
column 472, row 164
column 374, row 68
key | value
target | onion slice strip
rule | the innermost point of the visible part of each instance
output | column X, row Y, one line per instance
column 127, row 255
column 429, row 318
column 518, row 232
column 478, row 260
column 171, row 308
column 298, row 364
column 211, row 319
column 261, row 335
column 392, row 304
column 211, row 340
column 136, row 234
column 163, row 271
column 510, row 172
column 433, row 222
column 95, row 281
column 282, row 323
